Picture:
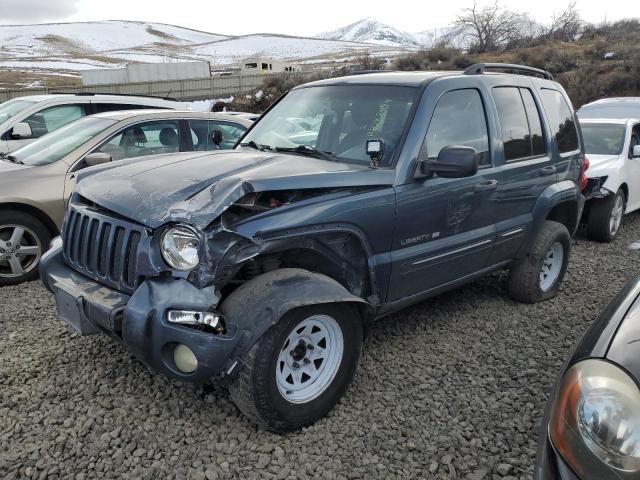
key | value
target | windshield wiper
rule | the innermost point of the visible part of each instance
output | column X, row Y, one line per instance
column 309, row 150
column 12, row 159
column 253, row 144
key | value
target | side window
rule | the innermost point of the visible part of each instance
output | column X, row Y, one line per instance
column 144, row 139
column 203, row 131
column 459, row 119
column 200, row 137
column 513, row 122
column 535, row 124
column 562, row 123
column 52, row 118
column 231, row 133
column 635, row 138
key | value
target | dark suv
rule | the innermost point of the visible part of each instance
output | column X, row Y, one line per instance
column 350, row 199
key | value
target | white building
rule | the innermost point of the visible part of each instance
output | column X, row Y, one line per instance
column 255, row 65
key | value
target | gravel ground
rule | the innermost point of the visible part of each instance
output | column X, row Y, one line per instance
column 452, row 388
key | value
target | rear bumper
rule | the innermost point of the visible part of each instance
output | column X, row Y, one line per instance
column 139, row 321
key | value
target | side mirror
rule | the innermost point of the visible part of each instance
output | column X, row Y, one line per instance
column 21, row 130
column 217, row 137
column 452, row 162
column 97, row 158
column 635, row 151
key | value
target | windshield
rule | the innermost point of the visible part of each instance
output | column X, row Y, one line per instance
column 603, row 138
column 52, row 147
column 611, row 110
column 10, row 108
column 336, row 121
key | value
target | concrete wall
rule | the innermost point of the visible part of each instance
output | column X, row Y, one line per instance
column 146, row 72
column 195, row 89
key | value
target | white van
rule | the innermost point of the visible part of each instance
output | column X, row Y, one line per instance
column 24, row 119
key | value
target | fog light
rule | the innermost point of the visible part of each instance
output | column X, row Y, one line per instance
column 185, row 359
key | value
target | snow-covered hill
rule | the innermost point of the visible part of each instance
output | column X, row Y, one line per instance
column 370, row 30
column 80, row 46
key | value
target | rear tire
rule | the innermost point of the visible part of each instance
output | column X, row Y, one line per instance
column 605, row 217
column 270, row 388
column 23, row 240
column 538, row 275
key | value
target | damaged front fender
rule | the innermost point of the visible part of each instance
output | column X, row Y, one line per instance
column 259, row 303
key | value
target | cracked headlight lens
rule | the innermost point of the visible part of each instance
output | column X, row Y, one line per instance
column 180, row 248
column 596, row 418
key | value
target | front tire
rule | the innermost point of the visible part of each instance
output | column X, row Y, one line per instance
column 300, row 368
column 605, row 217
column 538, row 275
column 23, row 240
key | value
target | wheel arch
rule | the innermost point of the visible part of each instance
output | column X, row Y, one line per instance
column 565, row 213
column 561, row 202
column 625, row 190
column 35, row 212
column 338, row 252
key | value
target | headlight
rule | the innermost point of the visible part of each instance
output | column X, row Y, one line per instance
column 180, row 248
column 595, row 420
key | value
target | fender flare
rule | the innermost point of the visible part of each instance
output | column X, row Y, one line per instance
column 259, row 303
column 562, row 192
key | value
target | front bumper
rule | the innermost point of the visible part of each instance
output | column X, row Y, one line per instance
column 139, row 320
column 549, row 464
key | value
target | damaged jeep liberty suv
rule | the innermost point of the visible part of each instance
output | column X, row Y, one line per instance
column 351, row 198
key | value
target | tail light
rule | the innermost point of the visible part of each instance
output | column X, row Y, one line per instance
column 584, row 180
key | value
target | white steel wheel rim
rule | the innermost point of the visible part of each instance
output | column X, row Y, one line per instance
column 20, row 250
column 617, row 211
column 551, row 266
column 309, row 359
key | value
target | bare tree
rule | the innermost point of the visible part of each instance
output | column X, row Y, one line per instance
column 565, row 26
column 491, row 27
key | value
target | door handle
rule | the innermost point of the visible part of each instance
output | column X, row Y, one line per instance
column 547, row 170
column 484, row 186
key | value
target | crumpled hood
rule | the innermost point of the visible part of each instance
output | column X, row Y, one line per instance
column 599, row 164
column 197, row 188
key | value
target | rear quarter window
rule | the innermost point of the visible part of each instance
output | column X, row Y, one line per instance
column 561, row 120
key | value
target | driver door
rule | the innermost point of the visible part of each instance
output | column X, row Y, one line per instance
column 445, row 227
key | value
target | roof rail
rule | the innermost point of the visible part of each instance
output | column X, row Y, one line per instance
column 365, row 72
column 479, row 68
column 90, row 94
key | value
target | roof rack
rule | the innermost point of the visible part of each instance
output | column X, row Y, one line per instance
column 479, row 68
column 365, row 72
column 90, row 94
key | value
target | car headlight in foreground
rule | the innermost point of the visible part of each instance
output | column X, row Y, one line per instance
column 179, row 247
column 595, row 421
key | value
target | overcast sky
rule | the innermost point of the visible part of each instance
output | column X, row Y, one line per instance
column 293, row 17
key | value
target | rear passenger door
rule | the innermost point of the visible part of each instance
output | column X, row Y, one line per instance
column 528, row 166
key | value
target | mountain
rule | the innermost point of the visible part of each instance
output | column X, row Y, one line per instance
column 369, row 30
column 71, row 47
column 450, row 35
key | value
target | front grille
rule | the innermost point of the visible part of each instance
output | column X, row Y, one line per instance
column 102, row 247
